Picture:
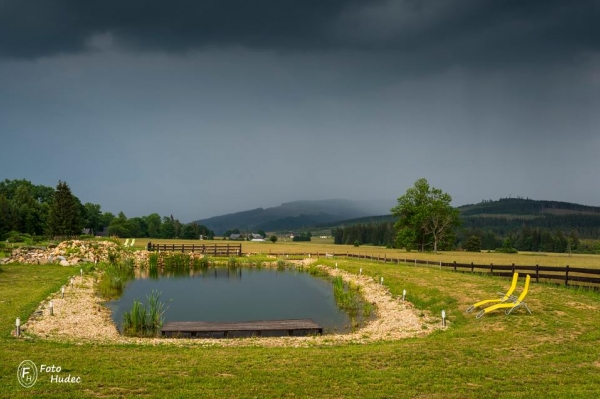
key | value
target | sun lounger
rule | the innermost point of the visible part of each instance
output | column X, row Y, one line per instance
column 504, row 298
column 509, row 306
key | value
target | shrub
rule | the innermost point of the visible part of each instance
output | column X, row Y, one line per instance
column 473, row 244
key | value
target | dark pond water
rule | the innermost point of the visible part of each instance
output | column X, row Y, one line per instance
column 241, row 294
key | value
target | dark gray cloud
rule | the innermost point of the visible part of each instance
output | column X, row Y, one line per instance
column 463, row 32
column 202, row 108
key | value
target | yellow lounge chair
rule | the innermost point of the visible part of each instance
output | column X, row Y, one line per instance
column 504, row 298
column 132, row 243
column 126, row 243
column 509, row 306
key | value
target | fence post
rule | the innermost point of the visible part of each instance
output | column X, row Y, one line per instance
column 472, row 267
column 537, row 273
column 454, row 265
column 513, row 268
column 567, row 276
column 492, row 269
column 193, row 247
column 148, row 246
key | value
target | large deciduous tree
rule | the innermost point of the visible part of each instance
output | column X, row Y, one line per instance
column 425, row 218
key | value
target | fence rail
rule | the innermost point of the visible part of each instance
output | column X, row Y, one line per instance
column 206, row 249
column 567, row 275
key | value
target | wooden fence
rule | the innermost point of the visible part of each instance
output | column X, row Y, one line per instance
column 206, row 249
column 567, row 275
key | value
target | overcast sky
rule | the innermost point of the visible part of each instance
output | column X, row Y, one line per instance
column 198, row 108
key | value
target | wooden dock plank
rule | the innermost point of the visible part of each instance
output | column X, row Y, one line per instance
column 225, row 329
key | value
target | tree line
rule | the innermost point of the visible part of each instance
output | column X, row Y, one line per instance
column 427, row 222
column 39, row 211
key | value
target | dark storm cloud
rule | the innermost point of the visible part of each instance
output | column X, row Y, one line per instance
column 471, row 32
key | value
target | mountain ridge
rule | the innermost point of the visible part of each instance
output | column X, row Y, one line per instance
column 290, row 215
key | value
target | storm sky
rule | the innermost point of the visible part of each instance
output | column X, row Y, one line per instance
column 199, row 108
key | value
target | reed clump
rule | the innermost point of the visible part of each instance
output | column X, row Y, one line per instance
column 145, row 320
column 114, row 278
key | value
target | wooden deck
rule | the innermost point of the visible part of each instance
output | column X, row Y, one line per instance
column 266, row 328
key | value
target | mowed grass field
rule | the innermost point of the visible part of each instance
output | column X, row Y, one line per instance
column 552, row 353
column 326, row 246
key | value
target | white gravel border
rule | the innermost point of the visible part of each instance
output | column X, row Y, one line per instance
column 82, row 318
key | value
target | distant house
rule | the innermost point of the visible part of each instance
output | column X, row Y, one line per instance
column 257, row 238
column 101, row 233
column 237, row 237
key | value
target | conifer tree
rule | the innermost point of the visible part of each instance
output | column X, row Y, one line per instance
column 64, row 218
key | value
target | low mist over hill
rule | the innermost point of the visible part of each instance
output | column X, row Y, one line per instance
column 295, row 215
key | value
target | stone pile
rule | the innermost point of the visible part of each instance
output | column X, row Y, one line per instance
column 69, row 253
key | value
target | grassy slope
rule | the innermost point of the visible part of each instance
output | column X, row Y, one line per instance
column 551, row 354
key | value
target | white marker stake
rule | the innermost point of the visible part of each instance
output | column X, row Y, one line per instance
column 81, row 272
column 51, row 309
column 381, row 281
column 360, row 272
column 336, row 265
column 18, row 325
column 403, row 295
column 72, row 281
column 443, row 318
column 62, row 291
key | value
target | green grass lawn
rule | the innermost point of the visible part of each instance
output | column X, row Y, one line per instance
column 553, row 353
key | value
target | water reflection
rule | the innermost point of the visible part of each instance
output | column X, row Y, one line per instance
column 238, row 294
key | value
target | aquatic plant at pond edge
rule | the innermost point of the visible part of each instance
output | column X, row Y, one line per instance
column 114, row 278
column 145, row 320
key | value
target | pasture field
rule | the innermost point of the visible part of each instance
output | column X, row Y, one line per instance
column 323, row 246
column 552, row 353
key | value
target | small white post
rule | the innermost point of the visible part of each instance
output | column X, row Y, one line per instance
column 81, row 272
column 62, row 291
column 308, row 256
column 360, row 272
column 381, row 281
column 403, row 295
column 336, row 265
column 51, row 309
column 72, row 281
column 18, row 325
column 443, row 318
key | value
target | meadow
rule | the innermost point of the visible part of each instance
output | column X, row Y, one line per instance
column 323, row 246
column 552, row 353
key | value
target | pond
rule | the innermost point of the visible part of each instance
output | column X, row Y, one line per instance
column 221, row 294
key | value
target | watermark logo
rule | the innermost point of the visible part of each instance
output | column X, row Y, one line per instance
column 27, row 373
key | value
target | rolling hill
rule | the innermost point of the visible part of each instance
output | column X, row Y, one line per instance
column 293, row 215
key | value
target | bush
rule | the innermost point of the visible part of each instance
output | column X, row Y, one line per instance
column 273, row 239
column 505, row 250
column 473, row 244
column 356, row 243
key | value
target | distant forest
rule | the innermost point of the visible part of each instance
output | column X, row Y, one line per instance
column 522, row 224
column 31, row 212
